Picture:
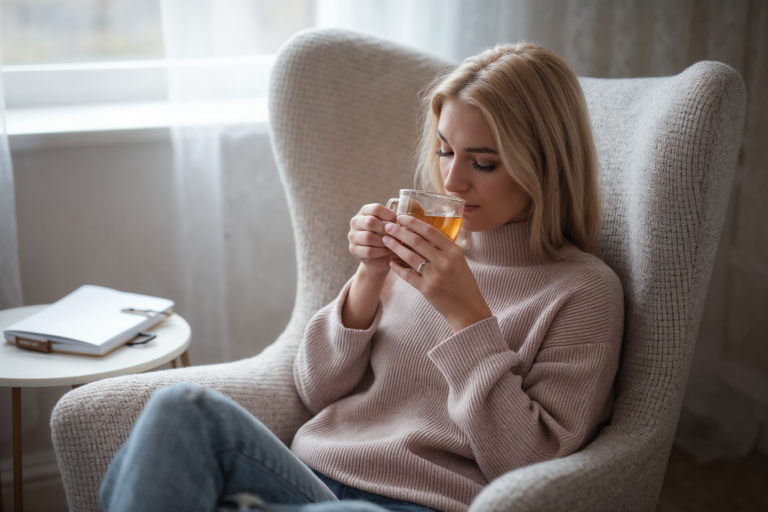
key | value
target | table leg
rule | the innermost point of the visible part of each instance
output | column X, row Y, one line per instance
column 185, row 359
column 173, row 363
column 18, row 504
column 1, row 494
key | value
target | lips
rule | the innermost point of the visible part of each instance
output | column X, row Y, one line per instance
column 469, row 208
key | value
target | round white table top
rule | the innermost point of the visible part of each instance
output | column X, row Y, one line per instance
column 21, row 368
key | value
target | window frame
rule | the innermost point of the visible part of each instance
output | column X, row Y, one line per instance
column 85, row 83
column 127, row 95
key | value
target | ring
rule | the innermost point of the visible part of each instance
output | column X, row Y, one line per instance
column 421, row 266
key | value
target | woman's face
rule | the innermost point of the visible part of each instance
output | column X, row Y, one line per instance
column 472, row 170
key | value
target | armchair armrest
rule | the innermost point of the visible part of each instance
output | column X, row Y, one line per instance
column 90, row 423
column 613, row 473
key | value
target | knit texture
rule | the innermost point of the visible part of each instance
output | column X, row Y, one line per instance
column 344, row 117
column 412, row 411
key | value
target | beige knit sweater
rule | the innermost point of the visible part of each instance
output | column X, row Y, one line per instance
column 406, row 409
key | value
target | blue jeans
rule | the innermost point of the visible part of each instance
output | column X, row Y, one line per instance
column 193, row 449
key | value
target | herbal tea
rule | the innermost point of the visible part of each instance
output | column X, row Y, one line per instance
column 449, row 226
column 438, row 210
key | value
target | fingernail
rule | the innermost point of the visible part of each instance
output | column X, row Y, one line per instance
column 385, row 239
column 401, row 218
column 389, row 227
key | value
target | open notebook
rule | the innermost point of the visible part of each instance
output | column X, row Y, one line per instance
column 92, row 320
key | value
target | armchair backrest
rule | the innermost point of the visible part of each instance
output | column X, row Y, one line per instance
column 667, row 149
column 344, row 114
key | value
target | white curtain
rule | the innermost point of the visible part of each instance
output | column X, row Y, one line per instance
column 235, row 264
column 10, row 273
column 431, row 25
column 600, row 38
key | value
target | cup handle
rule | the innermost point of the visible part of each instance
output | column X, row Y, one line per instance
column 393, row 202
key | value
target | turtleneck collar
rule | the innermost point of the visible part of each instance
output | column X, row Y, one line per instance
column 507, row 246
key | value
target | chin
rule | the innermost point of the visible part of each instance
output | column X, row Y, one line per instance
column 467, row 225
column 473, row 227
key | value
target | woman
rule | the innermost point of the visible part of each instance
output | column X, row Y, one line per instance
column 500, row 352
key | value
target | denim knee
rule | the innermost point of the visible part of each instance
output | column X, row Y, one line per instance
column 185, row 391
column 176, row 396
column 174, row 405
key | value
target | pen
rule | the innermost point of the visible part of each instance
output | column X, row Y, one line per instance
column 148, row 312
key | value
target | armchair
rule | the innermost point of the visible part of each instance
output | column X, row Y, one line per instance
column 344, row 116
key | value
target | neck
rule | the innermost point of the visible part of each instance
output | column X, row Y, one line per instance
column 508, row 246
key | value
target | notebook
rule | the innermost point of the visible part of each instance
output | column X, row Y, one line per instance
column 92, row 320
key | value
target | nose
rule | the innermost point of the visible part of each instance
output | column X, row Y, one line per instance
column 456, row 179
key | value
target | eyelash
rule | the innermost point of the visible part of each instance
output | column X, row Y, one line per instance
column 475, row 165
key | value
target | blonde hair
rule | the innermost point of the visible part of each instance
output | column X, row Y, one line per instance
column 536, row 110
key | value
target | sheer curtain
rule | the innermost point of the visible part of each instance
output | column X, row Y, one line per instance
column 10, row 275
column 600, row 38
column 235, row 269
column 431, row 25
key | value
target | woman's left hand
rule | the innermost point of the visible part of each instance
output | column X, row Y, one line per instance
column 445, row 279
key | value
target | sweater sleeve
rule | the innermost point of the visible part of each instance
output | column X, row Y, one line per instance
column 331, row 359
column 556, row 408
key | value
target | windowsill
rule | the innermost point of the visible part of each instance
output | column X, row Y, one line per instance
column 84, row 125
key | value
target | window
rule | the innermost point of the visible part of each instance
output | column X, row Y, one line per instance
column 90, row 65
column 55, row 31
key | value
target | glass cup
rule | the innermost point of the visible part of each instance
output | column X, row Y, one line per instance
column 438, row 210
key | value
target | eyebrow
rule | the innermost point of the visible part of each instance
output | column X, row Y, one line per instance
column 482, row 149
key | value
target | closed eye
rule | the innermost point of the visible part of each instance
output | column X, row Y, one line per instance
column 440, row 152
column 483, row 168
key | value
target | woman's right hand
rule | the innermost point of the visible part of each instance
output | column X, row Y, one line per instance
column 366, row 230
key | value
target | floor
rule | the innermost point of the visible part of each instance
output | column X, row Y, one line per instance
column 719, row 486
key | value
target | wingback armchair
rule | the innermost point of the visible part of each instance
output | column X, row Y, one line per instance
column 344, row 115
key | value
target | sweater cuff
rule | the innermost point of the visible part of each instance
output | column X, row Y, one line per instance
column 480, row 347
column 345, row 335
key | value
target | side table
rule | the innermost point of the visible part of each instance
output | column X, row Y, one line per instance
column 28, row 369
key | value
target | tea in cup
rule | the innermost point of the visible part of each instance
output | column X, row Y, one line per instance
column 438, row 210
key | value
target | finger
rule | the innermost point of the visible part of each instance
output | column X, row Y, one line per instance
column 405, row 274
column 366, row 238
column 369, row 253
column 380, row 211
column 407, row 255
column 368, row 223
column 427, row 232
column 415, row 240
